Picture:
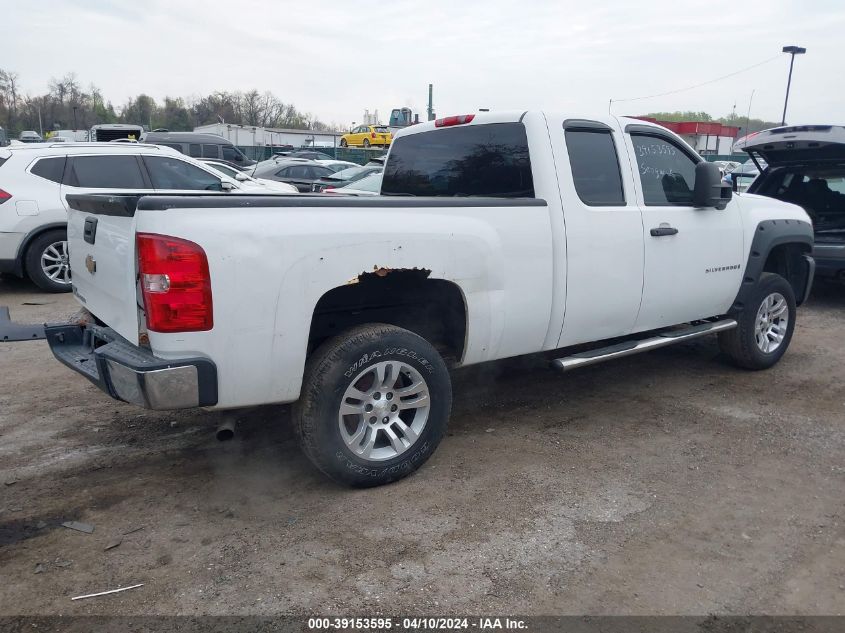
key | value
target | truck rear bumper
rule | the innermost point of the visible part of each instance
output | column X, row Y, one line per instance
column 130, row 373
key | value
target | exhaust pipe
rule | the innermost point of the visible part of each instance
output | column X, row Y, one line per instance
column 226, row 430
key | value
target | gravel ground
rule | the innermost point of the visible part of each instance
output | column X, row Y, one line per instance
column 665, row 483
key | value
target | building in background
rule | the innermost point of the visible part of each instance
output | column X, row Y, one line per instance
column 250, row 136
column 705, row 137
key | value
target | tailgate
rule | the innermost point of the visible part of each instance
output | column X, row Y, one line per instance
column 101, row 240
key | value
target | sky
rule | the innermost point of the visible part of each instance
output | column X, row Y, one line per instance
column 335, row 59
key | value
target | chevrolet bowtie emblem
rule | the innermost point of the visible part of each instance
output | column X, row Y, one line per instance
column 90, row 264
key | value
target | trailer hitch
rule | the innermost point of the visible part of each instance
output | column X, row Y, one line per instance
column 11, row 331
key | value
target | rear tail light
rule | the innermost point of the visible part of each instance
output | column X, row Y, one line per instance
column 4, row 195
column 373, row 134
column 328, row 190
column 175, row 283
column 454, row 120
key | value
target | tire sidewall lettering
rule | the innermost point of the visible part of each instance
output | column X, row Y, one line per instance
column 369, row 357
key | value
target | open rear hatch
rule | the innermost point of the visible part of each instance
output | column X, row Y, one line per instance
column 796, row 145
column 806, row 166
column 101, row 241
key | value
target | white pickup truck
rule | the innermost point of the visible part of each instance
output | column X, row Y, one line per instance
column 496, row 235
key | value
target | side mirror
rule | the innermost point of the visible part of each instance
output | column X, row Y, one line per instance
column 225, row 185
column 709, row 190
column 242, row 177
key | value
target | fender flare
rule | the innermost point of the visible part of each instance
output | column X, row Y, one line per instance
column 767, row 235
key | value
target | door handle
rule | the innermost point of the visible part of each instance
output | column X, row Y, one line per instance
column 660, row 231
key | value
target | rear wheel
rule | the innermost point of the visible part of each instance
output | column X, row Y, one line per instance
column 343, row 142
column 765, row 326
column 366, row 142
column 47, row 263
column 374, row 405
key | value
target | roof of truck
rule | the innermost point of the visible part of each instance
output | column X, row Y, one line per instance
column 514, row 116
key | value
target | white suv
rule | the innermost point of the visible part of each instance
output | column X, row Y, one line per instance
column 34, row 180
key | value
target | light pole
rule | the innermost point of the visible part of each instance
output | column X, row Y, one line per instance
column 792, row 50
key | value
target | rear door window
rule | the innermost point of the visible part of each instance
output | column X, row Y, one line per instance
column 195, row 150
column 210, row 151
column 172, row 173
column 50, row 168
column 469, row 160
column 595, row 167
column 105, row 172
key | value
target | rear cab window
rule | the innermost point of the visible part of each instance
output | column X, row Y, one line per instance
column 595, row 167
column 489, row 160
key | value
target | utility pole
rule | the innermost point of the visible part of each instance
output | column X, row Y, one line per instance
column 792, row 50
column 430, row 102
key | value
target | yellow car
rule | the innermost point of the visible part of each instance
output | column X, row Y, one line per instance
column 367, row 136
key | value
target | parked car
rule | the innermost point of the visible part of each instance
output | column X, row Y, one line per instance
column 367, row 136
column 336, row 165
column 75, row 136
column 106, row 132
column 35, row 180
column 727, row 166
column 496, row 235
column 741, row 177
column 199, row 145
column 344, row 177
column 298, row 172
column 367, row 186
column 28, row 136
column 309, row 154
column 233, row 172
column 805, row 165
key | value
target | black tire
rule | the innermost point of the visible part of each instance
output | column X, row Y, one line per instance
column 366, row 142
column 347, row 360
column 740, row 344
column 343, row 142
column 32, row 261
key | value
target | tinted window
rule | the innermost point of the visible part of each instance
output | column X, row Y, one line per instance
column 298, row 171
column 210, row 151
column 105, row 172
column 175, row 146
column 49, row 168
column 172, row 173
column 230, row 153
column 666, row 171
column 479, row 160
column 321, row 172
column 595, row 167
column 195, row 150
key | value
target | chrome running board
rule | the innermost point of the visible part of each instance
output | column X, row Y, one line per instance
column 628, row 348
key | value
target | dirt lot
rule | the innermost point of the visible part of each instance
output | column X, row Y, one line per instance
column 666, row 483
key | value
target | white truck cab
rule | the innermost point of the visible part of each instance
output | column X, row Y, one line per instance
column 496, row 235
